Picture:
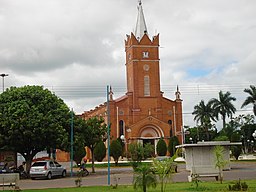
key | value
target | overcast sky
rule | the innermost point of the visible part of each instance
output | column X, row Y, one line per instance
column 76, row 47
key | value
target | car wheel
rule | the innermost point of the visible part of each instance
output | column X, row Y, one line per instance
column 33, row 178
column 49, row 175
column 64, row 174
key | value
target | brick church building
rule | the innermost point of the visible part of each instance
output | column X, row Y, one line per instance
column 143, row 114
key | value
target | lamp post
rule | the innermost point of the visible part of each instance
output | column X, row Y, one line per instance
column 191, row 140
column 3, row 75
column 252, row 145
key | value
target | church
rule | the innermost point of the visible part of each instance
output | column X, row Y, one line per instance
column 142, row 114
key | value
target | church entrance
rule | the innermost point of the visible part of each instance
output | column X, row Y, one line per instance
column 150, row 141
column 150, row 134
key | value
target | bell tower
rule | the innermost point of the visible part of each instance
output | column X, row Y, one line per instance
column 142, row 62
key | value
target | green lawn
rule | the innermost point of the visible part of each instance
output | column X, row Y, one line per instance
column 177, row 187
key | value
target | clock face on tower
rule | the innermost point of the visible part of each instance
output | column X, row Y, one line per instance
column 146, row 67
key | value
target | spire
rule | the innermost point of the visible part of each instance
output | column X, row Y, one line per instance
column 111, row 94
column 177, row 93
column 141, row 27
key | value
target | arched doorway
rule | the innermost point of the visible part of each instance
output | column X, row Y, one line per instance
column 150, row 134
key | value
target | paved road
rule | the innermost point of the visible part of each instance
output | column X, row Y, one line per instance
column 243, row 170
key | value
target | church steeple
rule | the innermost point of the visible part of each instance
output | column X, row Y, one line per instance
column 141, row 27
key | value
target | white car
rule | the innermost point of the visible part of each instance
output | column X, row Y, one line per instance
column 47, row 169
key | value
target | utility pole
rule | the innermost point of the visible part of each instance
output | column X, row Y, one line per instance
column 3, row 75
column 71, row 142
column 108, row 118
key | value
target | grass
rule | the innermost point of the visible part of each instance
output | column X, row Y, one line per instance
column 177, row 187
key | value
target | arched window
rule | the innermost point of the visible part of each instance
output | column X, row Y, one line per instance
column 121, row 128
column 146, row 86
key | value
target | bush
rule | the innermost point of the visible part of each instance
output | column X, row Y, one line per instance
column 236, row 151
column 116, row 150
column 148, row 150
column 161, row 147
column 221, row 138
column 173, row 142
column 238, row 186
column 100, row 151
column 136, row 151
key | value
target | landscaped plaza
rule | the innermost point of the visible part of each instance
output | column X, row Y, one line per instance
column 122, row 176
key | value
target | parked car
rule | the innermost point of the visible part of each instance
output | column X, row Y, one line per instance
column 47, row 169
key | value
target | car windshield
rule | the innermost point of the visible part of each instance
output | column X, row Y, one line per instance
column 38, row 164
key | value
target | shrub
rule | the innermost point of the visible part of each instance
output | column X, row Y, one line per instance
column 236, row 151
column 149, row 150
column 173, row 142
column 100, row 151
column 115, row 150
column 161, row 147
column 136, row 151
column 238, row 186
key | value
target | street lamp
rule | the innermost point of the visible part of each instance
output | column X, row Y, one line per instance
column 122, row 137
column 254, row 134
column 3, row 75
column 191, row 140
column 248, row 145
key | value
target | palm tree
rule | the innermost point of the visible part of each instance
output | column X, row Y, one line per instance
column 250, row 99
column 144, row 177
column 204, row 114
column 164, row 169
column 223, row 106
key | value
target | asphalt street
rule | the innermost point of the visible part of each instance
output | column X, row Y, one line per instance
column 124, row 175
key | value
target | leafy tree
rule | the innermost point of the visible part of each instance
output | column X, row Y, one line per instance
column 204, row 114
column 164, row 169
column 32, row 119
column 100, row 151
column 223, row 106
column 220, row 162
column 116, row 150
column 242, row 120
column 173, row 142
column 144, row 177
column 251, row 99
column 79, row 150
column 161, row 147
column 78, row 147
column 229, row 129
column 94, row 131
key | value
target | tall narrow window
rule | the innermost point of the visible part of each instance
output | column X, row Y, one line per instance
column 146, row 86
column 121, row 128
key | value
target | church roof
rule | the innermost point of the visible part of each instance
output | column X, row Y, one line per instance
column 141, row 27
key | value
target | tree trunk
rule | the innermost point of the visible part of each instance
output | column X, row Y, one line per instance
column 93, row 169
column 162, row 186
column 144, row 183
column 224, row 121
column 28, row 159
